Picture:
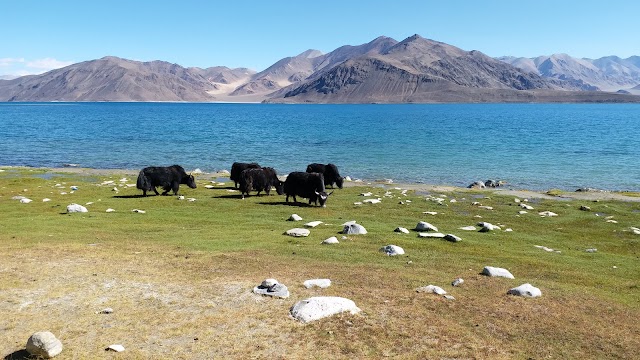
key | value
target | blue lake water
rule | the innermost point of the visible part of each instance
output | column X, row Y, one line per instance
column 531, row 146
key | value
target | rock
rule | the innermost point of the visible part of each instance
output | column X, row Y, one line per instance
column 516, row 200
column 139, row 211
column 191, row 199
column 392, row 250
column 486, row 227
column 73, row 208
column 313, row 224
column 585, row 208
column 25, row 201
column 425, row 226
column 349, row 222
column 224, row 172
column 431, row 235
column 401, row 230
column 526, row 206
column 493, row 183
column 347, row 178
column 44, row 344
column 321, row 283
column 18, row 197
column 357, row 203
column 180, row 197
column 508, row 230
column 209, row 187
column 116, row 348
column 545, row 248
column 476, row 185
column 105, row 311
column 354, row 229
column 449, row 297
column 431, row 289
column 635, row 230
column 294, row 217
column 366, row 194
column 298, row 232
column 452, row 238
column 430, row 212
column 196, row 171
column 485, row 207
column 110, row 210
column 526, row 290
column 547, row 214
column 468, row 228
column 372, row 201
column 457, row 282
column 319, row 307
column 271, row 287
column 522, row 212
column 46, row 200
column 592, row 250
column 74, row 188
column 331, row 240
column 497, row 272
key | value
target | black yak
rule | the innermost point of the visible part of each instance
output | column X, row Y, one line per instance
column 330, row 173
column 306, row 185
column 169, row 178
column 237, row 168
column 261, row 179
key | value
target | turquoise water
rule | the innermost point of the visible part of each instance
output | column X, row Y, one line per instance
column 533, row 146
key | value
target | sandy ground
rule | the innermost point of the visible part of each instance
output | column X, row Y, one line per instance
column 587, row 196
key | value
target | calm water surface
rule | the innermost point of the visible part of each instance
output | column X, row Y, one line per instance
column 534, row 146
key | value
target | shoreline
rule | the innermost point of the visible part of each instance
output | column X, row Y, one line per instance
column 598, row 195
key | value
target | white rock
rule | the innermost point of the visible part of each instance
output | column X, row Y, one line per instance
column 347, row 178
column 105, row 311
column 452, row 238
column 191, row 199
column 209, row 186
column 138, row 211
column 73, row 208
column 46, row 200
column 197, row 171
column 319, row 307
column 115, row 347
column 449, row 297
column 349, row 222
column 612, row 221
column 366, row 194
column 431, row 289
column 25, row 201
column 457, row 282
column 425, row 226
column 516, row 200
column 430, row 212
column 401, row 230
column 115, row 189
column 110, row 210
column 392, row 250
column 321, row 283
column 331, row 240
column 431, row 235
column 224, row 172
column 180, row 197
column 44, row 344
column 592, row 250
column 547, row 214
column 294, row 217
column 123, row 180
column 357, row 203
column 486, row 227
column 298, row 232
column 272, row 287
column 89, row 203
column 18, row 197
column 508, row 230
column 372, row 201
column 468, row 228
column 313, row 224
column 354, row 229
column 453, row 201
column 74, row 188
column 522, row 212
column 526, row 290
column 495, row 271
column 485, row 207
column 526, row 207
column 544, row 248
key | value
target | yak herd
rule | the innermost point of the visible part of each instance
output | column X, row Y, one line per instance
column 251, row 177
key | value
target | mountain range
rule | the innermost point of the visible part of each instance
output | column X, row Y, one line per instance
column 384, row 70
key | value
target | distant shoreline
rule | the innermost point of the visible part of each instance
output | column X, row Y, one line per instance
column 599, row 195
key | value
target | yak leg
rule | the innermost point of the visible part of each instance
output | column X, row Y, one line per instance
column 155, row 190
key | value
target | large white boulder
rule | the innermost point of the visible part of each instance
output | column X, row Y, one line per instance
column 272, row 287
column 354, row 229
column 526, row 290
column 298, row 232
column 498, row 272
column 318, row 307
column 73, row 208
column 392, row 250
column 425, row 226
column 400, row 229
column 44, row 344
column 331, row 240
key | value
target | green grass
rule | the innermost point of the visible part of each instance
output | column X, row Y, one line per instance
column 219, row 232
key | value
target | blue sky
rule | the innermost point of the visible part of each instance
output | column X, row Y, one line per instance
column 41, row 35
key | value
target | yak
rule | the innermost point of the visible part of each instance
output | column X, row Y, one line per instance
column 237, row 168
column 169, row 178
column 306, row 185
column 329, row 171
column 260, row 179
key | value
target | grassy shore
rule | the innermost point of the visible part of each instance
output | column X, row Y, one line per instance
column 179, row 276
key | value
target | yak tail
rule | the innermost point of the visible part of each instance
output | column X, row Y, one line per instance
column 143, row 183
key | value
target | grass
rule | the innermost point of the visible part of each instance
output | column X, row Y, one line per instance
column 179, row 277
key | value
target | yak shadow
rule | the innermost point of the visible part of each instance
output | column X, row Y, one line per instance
column 20, row 355
column 132, row 196
column 229, row 196
column 296, row 204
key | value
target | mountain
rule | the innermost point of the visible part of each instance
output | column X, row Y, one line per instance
column 383, row 70
column 609, row 73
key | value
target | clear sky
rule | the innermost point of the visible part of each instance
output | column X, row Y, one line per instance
column 37, row 36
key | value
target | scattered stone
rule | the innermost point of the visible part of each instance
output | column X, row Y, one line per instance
column 526, row 290
column 372, row 201
column 294, row 217
column 319, row 307
column 468, row 228
column 225, row 172
column 344, row 238
column 452, row 238
column 313, row 224
column 508, row 230
column 486, row 227
column 18, row 197
column 497, row 272
column 457, row 282
column 110, row 210
column 73, row 208
column 431, row 235
column 298, row 232
column 449, row 297
column 546, row 248
column 366, row 194
column 401, row 230
column 522, row 212
column 347, row 178
column 197, row 171
column 139, row 211
column 44, row 344
column 592, row 250
column 349, row 222
column 425, row 226
column 74, row 188
column 271, row 287
column 331, row 240
column 357, row 203
column 585, row 208
column 476, row 185
column 526, row 206
column 105, row 311
column 485, row 207
column 46, row 200
column 209, row 187
column 430, row 213
column 181, row 197
column 547, row 214
column 392, row 250
column 321, row 283
column 516, row 200
column 115, row 189
column 116, row 348
column 354, row 229
column 25, row 201
column 431, row 289
column 635, row 230
column 612, row 221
